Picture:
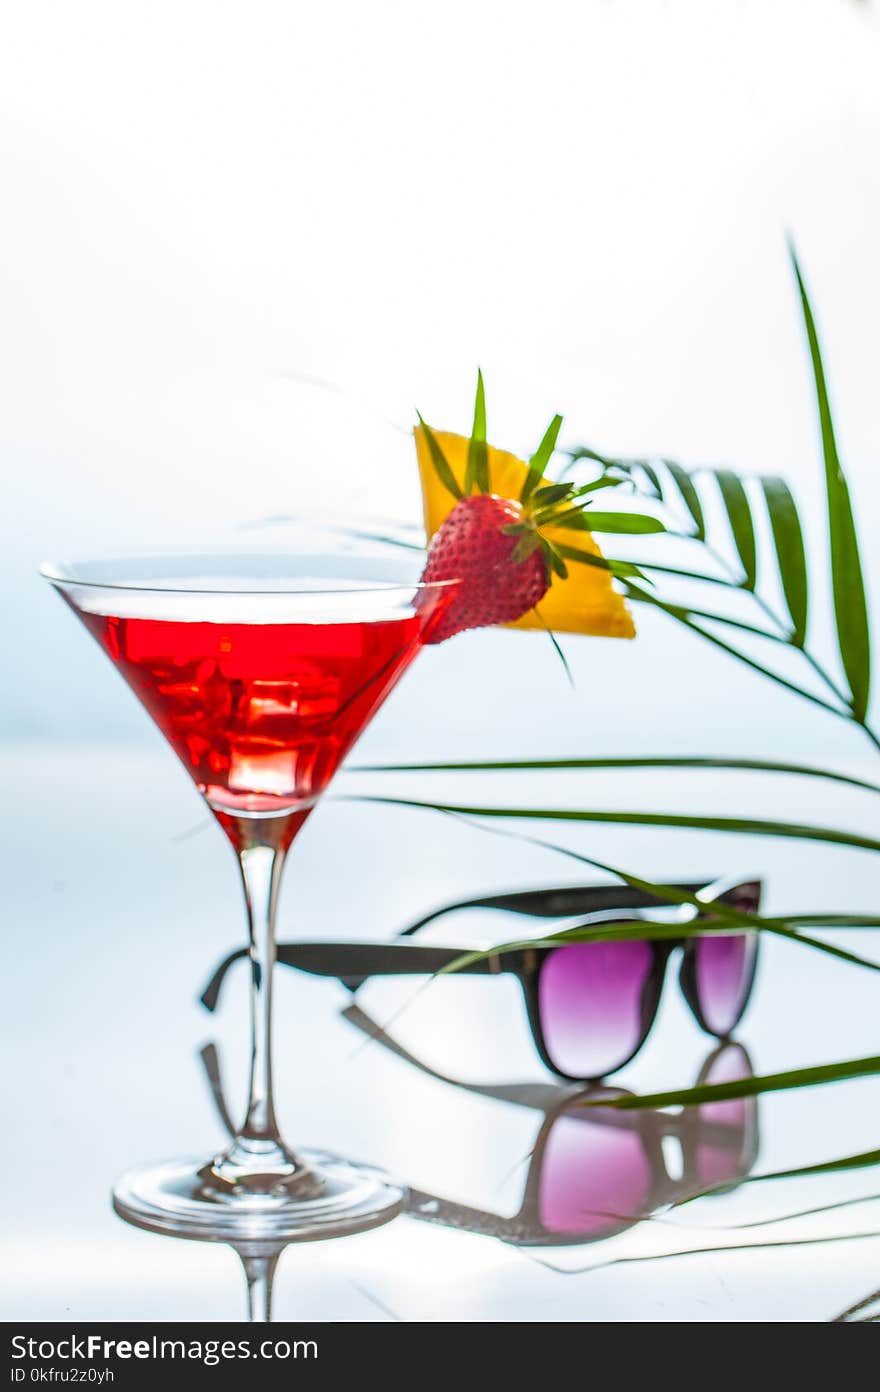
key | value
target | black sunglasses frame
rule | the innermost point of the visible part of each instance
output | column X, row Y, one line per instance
column 661, row 950
column 611, row 900
column 353, row 963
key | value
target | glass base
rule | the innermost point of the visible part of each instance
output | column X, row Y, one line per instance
column 172, row 1198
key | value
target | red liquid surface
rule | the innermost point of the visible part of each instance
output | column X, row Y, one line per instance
column 260, row 714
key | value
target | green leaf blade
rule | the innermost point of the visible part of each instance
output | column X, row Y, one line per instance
column 739, row 515
column 477, row 470
column 682, row 616
column 791, row 559
column 739, row 826
column 850, row 605
column 862, row 1160
column 541, row 458
column 440, row 462
column 691, row 498
column 556, row 645
column 652, row 486
column 625, row 523
column 550, row 494
column 746, row 1087
column 654, row 761
column 622, row 569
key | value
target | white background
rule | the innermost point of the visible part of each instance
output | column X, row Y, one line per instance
column 241, row 242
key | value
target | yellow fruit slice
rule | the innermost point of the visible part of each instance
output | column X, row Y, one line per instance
column 584, row 603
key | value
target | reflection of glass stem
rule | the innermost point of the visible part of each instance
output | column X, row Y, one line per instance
column 259, row 1272
column 259, row 1261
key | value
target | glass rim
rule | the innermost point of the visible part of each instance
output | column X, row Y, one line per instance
column 64, row 573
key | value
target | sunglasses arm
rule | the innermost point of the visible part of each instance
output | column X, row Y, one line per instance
column 565, row 901
column 211, row 994
column 539, row 1097
column 446, row 1214
column 366, row 960
column 355, row 963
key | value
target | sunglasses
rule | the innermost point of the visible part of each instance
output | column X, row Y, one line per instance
column 596, row 1171
column 590, row 1005
column 593, row 1171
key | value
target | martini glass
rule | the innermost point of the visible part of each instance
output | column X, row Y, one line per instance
column 260, row 671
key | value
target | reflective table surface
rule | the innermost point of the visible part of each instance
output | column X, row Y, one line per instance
column 121, row 898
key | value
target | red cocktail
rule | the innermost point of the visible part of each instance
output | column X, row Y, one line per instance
column 261, row 672
column 260, row 714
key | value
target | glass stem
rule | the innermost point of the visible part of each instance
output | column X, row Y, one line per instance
column 261, row 869
column 258, row 1163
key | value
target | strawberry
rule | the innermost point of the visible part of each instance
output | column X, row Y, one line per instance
column 505, row 551
column 476, row 546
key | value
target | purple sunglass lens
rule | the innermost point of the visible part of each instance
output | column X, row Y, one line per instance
column 726, row 1130
column 590, row 998
column 594, row 1177
column 724, row 965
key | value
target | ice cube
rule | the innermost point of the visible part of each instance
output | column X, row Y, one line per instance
column 192, row 700
column 197, row 747
column 183, row 702
column 262, row 768
column 277, row 709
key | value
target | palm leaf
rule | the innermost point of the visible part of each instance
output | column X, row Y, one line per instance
column 638, row 472
column 864, row 1160
column 745, row 1087
column 739, row 515
column 864, row 1311
column 717, row 1248
column 741, row 826
column 788, row 540
column 628, row 762
column 850, row 607
column 632, row 523
column 690, row 497
column 386, row 538
column 833, row 920
column 682, row 616
column 648, row 930
column 622, row 569
column 849, row 601
column 669, row 894
column 777, row 1219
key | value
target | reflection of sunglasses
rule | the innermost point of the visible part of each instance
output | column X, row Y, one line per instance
column 590, row 1004
column 596, row 1171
